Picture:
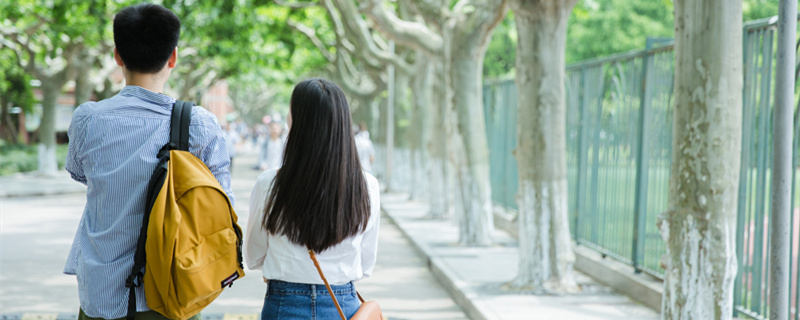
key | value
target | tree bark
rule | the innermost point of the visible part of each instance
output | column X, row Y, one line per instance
column 420, row 121
column 7, row 126
column 467, row 36
column 546, row 256
column 699, row 226
column 51, row 89
column 436, row 144
column 83, row 87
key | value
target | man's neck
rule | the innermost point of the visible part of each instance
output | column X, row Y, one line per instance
column 151, row 81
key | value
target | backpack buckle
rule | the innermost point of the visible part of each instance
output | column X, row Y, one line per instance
column 134, row 280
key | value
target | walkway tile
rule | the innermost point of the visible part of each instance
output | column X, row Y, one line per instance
column 475, row 276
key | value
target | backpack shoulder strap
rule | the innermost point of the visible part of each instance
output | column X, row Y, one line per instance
column 178, row 139
column 179, row 124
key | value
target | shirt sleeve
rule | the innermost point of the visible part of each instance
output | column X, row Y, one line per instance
column 214, row 151
column 255, row 244
column 77, row 136
column 369, row 244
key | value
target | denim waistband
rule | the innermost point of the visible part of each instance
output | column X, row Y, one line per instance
column 283, row 287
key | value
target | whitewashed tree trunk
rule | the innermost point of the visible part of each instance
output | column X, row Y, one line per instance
column 420, row 120
column 546, row 255
column 466, row 39
column 437, row 147
column 699, row 226
column 51, row 89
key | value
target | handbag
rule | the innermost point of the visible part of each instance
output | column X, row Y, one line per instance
column 369, row 310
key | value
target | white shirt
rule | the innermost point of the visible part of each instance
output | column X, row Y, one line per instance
column 279, row 259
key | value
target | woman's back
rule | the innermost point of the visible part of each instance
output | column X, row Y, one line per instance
column 351, row 260
column 320, row 199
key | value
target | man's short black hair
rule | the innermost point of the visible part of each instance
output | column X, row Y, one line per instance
column 145, row 36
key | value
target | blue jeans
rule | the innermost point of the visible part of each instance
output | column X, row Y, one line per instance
column 288, row 300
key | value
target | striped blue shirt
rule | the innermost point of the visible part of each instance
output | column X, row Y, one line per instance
column 112, row 149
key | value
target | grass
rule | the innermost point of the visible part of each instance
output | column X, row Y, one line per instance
column 24, row 158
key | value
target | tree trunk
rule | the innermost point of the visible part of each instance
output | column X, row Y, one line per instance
column 9, row 133
column 436, row 144
column 546, row 256
column 699, row 226
column 469, row 32
column 83, row 87
column 51, row 89
column 420, row 131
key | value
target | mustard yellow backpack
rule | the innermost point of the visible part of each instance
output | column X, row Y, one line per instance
column 190, row 245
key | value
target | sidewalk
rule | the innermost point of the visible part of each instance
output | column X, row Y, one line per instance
column 34, row 184
column 474, row 276
column 40, row 227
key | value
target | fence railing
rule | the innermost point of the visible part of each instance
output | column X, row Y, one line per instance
column 619, row 150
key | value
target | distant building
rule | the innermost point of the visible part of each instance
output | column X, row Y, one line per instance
column 217, row 101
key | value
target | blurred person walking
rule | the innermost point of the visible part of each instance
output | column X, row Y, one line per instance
column 113, row 148
column 232, row 138
column 320, row 201
column 366, row 151
column 272, row 148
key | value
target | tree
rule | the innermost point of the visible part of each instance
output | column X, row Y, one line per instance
column 463, row 38
column 15, row 91
column 546, row 256
column 604, row 27
column 699, row 226
column 501, row 52
column 47, row 41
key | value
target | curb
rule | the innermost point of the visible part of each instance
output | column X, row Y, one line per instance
column 48, row 193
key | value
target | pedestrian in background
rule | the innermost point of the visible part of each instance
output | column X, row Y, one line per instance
column 232, row 138
column 319, row 200
column 366, row 151
column 272, row 148
column 113, row 148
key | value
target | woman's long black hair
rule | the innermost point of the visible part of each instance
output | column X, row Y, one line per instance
column 319, row 196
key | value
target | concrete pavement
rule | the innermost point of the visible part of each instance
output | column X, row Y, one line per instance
column 475, row 276
column 39, row 216
column 419, row 263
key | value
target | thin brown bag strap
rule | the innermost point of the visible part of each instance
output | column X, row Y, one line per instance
column 330, row 291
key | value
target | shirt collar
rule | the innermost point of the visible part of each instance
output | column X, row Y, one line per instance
column 147, row 95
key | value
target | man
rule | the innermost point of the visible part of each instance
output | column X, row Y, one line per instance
column 112, row 149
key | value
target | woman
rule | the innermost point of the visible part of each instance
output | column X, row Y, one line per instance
column 319, row 199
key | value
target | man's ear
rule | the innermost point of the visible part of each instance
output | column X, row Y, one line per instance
column 173, row 58
column 118, row 58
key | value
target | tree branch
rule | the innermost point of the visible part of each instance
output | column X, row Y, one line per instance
column 311, row 35
column 359, row 32
column 411, row 34
column 14, row 36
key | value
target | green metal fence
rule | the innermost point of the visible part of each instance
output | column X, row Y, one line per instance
column 619, row 149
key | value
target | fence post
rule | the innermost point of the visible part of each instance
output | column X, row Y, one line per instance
column 744, row 173
column 782, row 162
column 640, row 201
column 580, row 197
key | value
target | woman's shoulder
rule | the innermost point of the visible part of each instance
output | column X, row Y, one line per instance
column 266, row 177
column 372, row 182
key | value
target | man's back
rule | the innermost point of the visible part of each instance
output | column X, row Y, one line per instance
column 113, row 147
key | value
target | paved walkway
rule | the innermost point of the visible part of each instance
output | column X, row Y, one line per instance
column 38, row 222
column 418, row 265
column 474, row 276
